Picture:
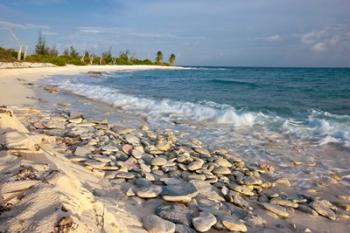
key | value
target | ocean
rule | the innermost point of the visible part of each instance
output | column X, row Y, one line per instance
column 281, row 115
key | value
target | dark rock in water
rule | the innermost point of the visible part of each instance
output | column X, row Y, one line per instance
column 179, row 192
column 180, row 228
column 175, row 213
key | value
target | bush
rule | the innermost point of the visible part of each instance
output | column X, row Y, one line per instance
column 8, row 55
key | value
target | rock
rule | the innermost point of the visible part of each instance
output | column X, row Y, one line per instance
column 307, row 209
column 283, row 182
column 223, row 162
column 127, row 149
column 195, row 165
column 94, row 164
column 137, row 154
column 179, row 192
column 222, row 171
column 276, row 209
column 323, row 208
column 83, row 151
column 256, row 220
column 124, row 175
column 196, row 177
column 145, row 168
column 171, row 181
column 204, row 222
column 131, row 139
column 180, row 228
column 236, row 199
column 149, row 192
column 76, row 119
column 155, row 224
column 159, row 161
column 175, row 213
column 202, row 151
column 283, row 202
column 243, row 189
column 233, row 224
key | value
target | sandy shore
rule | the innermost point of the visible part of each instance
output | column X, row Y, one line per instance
column 65, row 173
column 12, row 92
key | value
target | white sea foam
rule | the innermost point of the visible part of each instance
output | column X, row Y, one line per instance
column 321, row 126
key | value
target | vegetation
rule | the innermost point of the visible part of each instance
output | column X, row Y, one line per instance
column 159, row 58
column 172, row 59
column 46, row 54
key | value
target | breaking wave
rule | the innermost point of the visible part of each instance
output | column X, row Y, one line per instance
column 321, row 126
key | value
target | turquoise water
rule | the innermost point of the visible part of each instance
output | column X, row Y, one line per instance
column 278, row 115
column 304, row 103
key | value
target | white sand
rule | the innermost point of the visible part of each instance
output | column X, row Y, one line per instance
column 13, row 92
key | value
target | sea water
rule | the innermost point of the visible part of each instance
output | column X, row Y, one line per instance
column 281, row 115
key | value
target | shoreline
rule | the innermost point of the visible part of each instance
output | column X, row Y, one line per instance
column 85, row 175
column 13, row 92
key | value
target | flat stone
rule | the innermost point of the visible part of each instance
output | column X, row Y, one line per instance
column 180, row 228
column 223, row 162
column 204, row 222
column 243, row 189
column 195, row 165
column 236, row 199
column 323, row 208
column 307, row 209
column 124, row 175
column 175, row 213
column 171, row 181
column 283, row 202
column 131, row 139
column 155, row 224
column 149, row 192
column 179, row 192
column 276, row 209
column 196, row 177
column 127, row 149
column 233, row 224
column 94, row 164
column 137, row 154
column 159, row 161
column 222, row 171
column 202, row 151
column 83, row 151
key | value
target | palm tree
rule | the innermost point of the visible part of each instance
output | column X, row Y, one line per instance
column 159, row 58
column 172, row 59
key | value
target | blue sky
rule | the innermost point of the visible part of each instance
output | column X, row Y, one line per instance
column 199, row 32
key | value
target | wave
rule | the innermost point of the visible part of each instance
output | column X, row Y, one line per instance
column 233, row 82
column 321, row 126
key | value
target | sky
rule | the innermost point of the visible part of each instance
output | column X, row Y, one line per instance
column 292, row 33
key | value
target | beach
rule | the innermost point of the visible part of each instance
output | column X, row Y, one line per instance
column 68, row 169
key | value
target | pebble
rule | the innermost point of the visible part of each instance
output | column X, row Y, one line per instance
column 175, row 213
column 124, row 175
column 159, row 161
column 222, row 171
column 179, row 192
column 180, row 228
column 204, row 221
column 155, row 224
column 223, row 162
column 127, row 149
column 276, row 209
column 283, row 202
column 149, row 192
column 323, row 208
column 233, row 224
column 195, row 165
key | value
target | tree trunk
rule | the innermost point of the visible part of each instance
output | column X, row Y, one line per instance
column 19, row 54
column 25, row 53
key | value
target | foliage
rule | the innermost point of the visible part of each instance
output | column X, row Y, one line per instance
column 172, row 59
column 159, row 58
column 40, row 47
column 8, row 55
column 46, row 54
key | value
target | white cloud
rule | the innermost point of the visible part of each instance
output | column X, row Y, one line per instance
column 319, row 47
column 8, row 25
column 274, row 38
column 328, row 38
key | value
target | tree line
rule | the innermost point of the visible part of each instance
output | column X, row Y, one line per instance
column 46, row 54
